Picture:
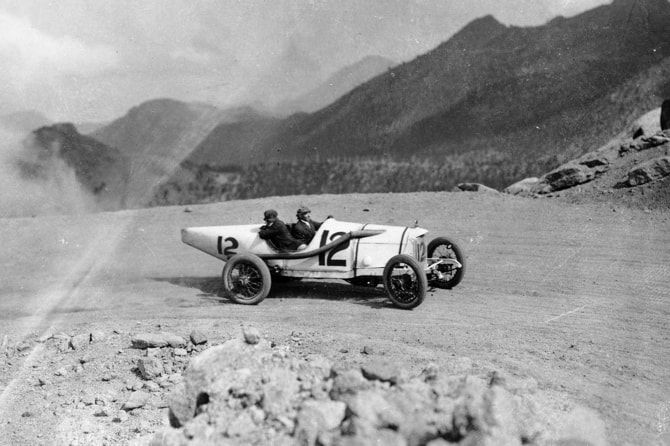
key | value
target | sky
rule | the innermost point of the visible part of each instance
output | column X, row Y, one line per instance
column 92, row 60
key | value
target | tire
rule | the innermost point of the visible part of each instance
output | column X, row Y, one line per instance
column 447, row 276
column 405, row 281
column 246, row 279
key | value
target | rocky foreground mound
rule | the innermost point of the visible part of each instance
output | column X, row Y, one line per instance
column 251, row 392
column 164, row 389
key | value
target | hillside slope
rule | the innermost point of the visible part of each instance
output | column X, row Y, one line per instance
column 569, row 84
column 337, row 85
column 156, row 136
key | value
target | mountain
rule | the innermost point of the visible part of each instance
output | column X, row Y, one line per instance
column 23, row 121
column 157, row 135
column 54, row 151
column 337, row 85
column 493, row 104
column 540, row 93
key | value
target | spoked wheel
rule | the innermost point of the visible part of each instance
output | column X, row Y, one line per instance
column 405, row 281
column 445, row 275
column 246, row 279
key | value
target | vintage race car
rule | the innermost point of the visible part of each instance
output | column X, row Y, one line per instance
column 361, row 254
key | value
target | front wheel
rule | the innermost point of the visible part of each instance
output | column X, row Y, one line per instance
column 405, row 281
column 445, row 274
column 246, row 279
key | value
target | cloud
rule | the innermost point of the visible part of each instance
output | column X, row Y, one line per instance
column 29, row 49
column 33, row 62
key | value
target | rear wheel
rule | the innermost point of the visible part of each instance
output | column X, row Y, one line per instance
column 246, row 279
column 445, row 275
column 405, row 281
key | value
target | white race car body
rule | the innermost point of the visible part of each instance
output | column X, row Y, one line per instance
column 364, row 251
column 396, row 257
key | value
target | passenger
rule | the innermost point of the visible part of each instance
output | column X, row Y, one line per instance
column 275, row 231
column 305, row 228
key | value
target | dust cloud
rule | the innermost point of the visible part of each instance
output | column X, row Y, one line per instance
column 35, row 181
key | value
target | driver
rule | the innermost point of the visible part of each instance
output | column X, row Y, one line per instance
column 305, row 228
column 275, row 231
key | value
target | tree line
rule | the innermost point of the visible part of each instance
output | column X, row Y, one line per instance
column 205, row 183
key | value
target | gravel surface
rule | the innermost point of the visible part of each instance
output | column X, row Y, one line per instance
column 572, row 296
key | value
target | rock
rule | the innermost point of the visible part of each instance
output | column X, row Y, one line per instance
column 61, row 372
column 42, row 339
column 97, row 336
column 180, row 352
column 137, row 399
column 382, row 370
column 582, row 426
column 216, row 371
column 100, row 413
column 524, row 186
column 386, row 437
column 564, row 177
column 251, row 335
column 370, row 408
column 486, row 413
column 332, row 412
column 320, row 364
column 198, row 337
column 310, row 423
column 22, row 346
column 645, row 142
column 150, row 367
column 280, row 391
column 150, row 340
column 242, row 425
column 348, row 382
column 174, row 341
column 120, row 417
column 665, row 115
column 151, row 386
column 473, row 187
column 80, row 341
column 648, row 171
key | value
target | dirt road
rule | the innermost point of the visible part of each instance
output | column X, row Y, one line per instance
column 575, row 297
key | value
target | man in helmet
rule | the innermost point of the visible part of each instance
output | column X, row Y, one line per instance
column 276, row 232
column 305, row 228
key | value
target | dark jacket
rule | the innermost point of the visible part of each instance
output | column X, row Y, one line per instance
column 280, row 236
column 304, row 231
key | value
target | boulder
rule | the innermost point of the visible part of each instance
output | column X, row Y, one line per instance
column 217, row 371
column 332, row 412
column 524, row 186
column 564, row 177
column 136, row 400
column 150, row 367
column 646, row 125
column 645, row 142
column 198, row 337
column 473, row 187
column 152, row 340
column 665, row 115
column 251, row 335
column 648, row 171
column 382, row 370
column 80, row 341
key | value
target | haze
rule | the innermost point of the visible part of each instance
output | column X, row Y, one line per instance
column 79, row 60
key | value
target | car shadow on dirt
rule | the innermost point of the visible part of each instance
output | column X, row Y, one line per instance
column 301, row 289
